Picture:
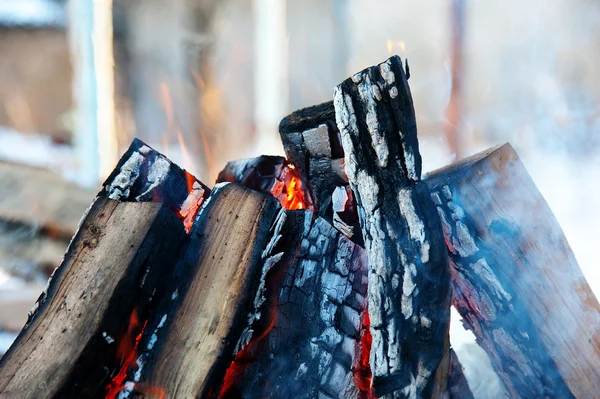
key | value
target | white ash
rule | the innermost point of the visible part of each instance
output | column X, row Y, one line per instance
column 339, row 199
column 154, row 336
column 144, row 150
column 128, row 174
column 409, row 161
column 302, row 369
column 416, row 228
column 465, row 244
column 175, row 294
column 156, row 174
column 108, row 338
column 342, row 227
column 369, row 93
column 408, row 286
column 386, row 72
column 483, row 270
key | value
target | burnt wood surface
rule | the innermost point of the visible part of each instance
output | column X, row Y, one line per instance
column 517, row 284
column 312, row 349
column 191, row 339
column 311, row 142
column 112, row 268
column 409, row 303
column 144, row 174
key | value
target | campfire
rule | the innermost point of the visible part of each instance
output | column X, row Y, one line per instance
column 326, row 274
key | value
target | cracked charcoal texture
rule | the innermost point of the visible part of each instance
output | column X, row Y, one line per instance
column 408, row 266
column 313, row 346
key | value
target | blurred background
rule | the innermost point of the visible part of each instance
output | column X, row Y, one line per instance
column 207, row 81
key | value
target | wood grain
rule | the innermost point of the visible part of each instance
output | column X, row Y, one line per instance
column 517, row 283
column 113, row 265
column 199, row 326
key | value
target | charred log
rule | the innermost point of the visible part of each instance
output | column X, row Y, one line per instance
column 144, row 174
column 215, row 297
column 517, row 284
column 408, row 266
column 314, row 346
column 77, row 331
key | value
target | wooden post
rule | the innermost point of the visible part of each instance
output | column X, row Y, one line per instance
column 91, row 36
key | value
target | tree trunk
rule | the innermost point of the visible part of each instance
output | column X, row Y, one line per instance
column 409, row 299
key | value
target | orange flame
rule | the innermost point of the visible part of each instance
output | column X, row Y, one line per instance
column 294, row 197
column 391, row 44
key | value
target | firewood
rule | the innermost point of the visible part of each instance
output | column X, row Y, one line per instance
column 213, row 301
column 517, row 284
column 144, row 174
column 77, row 330
column 313, row 347
column 409, row 299
column 311, row 142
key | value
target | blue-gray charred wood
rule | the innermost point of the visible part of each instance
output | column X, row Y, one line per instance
column 409, row 279
column 144, row 174
column 311, row 142
column 515, row 280
column 312, row 349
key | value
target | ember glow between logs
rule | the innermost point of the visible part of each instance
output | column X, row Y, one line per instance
column 288, row 190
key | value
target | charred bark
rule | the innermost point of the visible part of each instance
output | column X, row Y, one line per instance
column 144, row 174
column 516, row 282
column 408, row 265
column 313, row 348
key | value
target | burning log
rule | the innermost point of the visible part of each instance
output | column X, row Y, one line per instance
column 213, row 300
column 316, row 345
column 409, row 298
column 77, row 330
column 516, row 282
column 87, row 319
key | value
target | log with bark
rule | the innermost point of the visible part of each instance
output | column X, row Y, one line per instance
column 516, row 282
column 409, row 298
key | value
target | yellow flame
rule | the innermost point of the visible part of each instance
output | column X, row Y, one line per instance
column 391, row 45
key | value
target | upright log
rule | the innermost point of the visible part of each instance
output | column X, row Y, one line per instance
column 516, row 282
column 409, row 303
column 77, row 330
column 213, row 301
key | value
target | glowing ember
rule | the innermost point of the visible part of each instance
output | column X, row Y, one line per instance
column 288, row 190
column 362, row 373
column 126, row 350
column 391, row 45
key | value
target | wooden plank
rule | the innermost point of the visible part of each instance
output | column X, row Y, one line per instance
column 516, row 281
column 409, row 298
column 213, row 299
column 112, row 269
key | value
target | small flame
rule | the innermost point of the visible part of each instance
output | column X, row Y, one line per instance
column 288, row 189
column 391, row 44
